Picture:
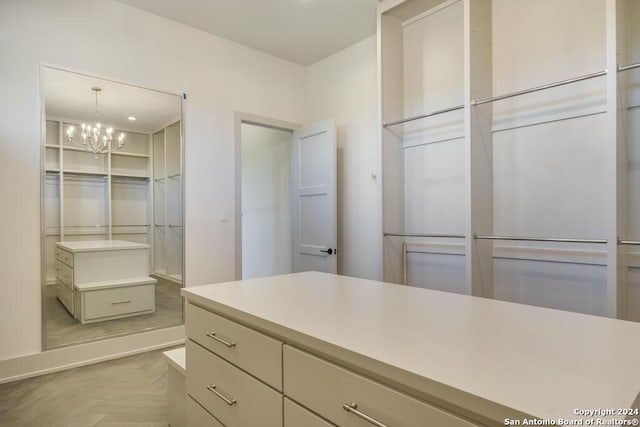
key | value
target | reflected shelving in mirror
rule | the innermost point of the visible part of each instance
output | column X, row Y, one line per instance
column 105, row 203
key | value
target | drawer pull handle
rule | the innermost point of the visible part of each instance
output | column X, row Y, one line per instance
column 353, row 408
column 120, row 302
column 212, row 389
column 213, row 336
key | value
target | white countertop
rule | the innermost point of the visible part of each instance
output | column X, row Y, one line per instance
column 497, row 359
column 99, row 245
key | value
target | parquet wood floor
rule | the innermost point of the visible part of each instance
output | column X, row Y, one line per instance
column 127, row 392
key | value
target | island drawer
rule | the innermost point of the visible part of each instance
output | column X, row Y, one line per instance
column 346, row 398
column 64, row 256
column 65, row 295
column 66, row 275
column 252, row 351
column 296, row 416
column 116, row 301
column 232, row 396
column 198, row 416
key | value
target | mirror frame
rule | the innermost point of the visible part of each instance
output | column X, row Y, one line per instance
column 43, row 126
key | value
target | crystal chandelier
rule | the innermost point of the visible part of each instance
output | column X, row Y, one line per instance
column 94, row 138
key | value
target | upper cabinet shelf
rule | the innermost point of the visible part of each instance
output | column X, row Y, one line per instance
column 122, row 153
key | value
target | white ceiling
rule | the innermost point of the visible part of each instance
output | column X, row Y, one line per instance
column 69, row 96
column 302, row 31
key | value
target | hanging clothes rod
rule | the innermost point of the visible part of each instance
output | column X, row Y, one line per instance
column 448, row 236
column 539, row 239
column 629, row 67
column 543, row 87
column 629, row 242
column 423, row 116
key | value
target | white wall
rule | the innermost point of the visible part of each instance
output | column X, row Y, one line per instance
column 266, row 201
column 343, row 86
column 109, row 39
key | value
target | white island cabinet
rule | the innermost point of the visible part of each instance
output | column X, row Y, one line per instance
column 104, row 279
column 318, row 349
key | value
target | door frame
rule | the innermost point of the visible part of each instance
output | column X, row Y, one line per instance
column 241, row 118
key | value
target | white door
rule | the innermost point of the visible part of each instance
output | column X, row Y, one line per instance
column 314, row 198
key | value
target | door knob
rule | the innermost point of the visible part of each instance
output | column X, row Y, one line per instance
column 328, row 251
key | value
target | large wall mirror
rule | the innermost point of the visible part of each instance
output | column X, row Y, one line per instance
column 112, row 209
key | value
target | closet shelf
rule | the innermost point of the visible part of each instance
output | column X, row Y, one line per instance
column 119, row 233
column 125, row 154
column 71, row 148
column 80, row 172
column 125, row 175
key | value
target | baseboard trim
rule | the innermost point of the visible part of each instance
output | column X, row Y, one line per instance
column 61, row 359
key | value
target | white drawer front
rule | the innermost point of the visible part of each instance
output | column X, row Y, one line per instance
column 254, row 352
column 216, row 384
column 326, row 388
column 66, row 257
column 297, row 416
column 117, row 301
column 67, row 275
column 59, row 268
column 197, row 416
column 65, row 295
column 59, row 254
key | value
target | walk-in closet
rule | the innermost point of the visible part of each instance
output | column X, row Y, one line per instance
column 510, row 150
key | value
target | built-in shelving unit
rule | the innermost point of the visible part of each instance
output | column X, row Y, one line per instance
column 95, row 197
column 510, row 154
column 167, row 196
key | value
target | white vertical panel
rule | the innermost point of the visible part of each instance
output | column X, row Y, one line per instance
column 548, row 179
column 478, row 145
column 392, row 108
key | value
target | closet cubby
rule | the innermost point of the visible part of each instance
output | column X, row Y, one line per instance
column 503, row 155
column 167, row 196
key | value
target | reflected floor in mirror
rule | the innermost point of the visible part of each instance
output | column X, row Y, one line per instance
column 62, row 329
